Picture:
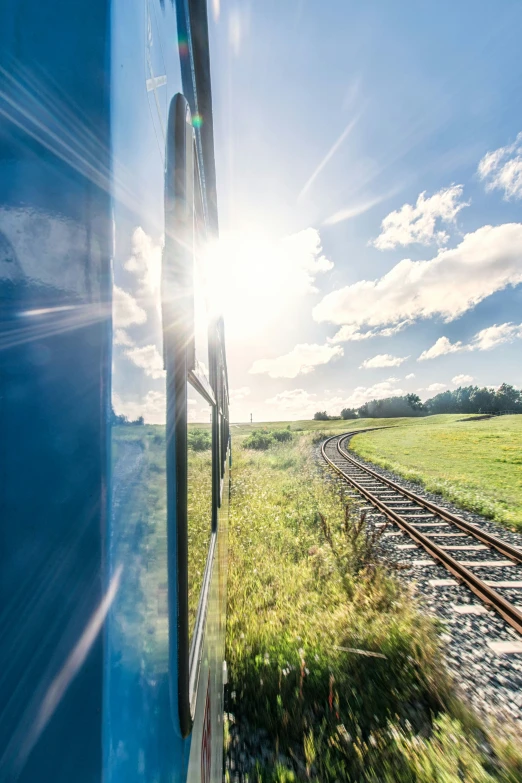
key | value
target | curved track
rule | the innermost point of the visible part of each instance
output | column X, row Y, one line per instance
column 428, row 525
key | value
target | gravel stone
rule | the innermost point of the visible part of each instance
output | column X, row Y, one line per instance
column 492, row 683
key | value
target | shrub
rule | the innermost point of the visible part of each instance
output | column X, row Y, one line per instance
column 282, row 435
column 318, row 437
column 199, row 440
column 259, row 440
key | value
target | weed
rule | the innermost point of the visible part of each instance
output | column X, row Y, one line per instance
column 199, row 439
column 329, row 659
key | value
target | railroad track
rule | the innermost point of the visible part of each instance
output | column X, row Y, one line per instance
column 446, row 537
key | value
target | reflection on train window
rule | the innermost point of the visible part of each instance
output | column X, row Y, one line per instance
column 138, row 639
column 199, row 500
column 201, row 317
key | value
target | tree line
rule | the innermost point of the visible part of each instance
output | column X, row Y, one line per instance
column 465, row 399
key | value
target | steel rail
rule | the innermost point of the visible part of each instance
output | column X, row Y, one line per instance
column 487, row 538
column 487, row 594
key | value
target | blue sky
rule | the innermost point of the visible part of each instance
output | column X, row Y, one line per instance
column 370, row 189
column 330, row 117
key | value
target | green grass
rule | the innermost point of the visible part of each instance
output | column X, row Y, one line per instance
column 476, row 464
column 304, row 593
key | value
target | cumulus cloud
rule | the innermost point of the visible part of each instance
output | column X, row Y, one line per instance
column 461, row 380
column 301, row 360
column 378, row 391
column 125, row 309
column 122, row 338
column 145, row 261
column 496, row 335
column 434, row 387
column 351, row 333
column 418, row 223
column 149, row 359
column 502, row 169
column 239, row 394
column 409, row 376
column 152, row 407
column 484, row 340
column 440, row 348
column 383, row 360
column 454, row 281
column 298, row 403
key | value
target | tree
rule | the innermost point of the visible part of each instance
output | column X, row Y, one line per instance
column 508, row 398
column 415, row 402
column 348, row 413
column 392, row 407
column 321, row 416
column 483, row 401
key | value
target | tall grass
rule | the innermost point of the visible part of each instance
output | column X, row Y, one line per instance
column 475, row 464
column 334, row 673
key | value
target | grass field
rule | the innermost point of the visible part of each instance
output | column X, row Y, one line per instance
column 330, row 663
column 476, row 464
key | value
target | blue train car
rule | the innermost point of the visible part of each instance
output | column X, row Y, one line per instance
column 114, row 430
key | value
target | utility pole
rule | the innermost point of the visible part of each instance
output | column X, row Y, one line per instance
column 250, row 418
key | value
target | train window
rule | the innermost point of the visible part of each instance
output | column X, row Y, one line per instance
column 199, row 498
column 191, row 441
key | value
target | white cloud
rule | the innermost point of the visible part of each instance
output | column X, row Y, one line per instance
column 300, row 404
column 149, row 359
column 378, row 391
column 461, row 380
column 295, row 402
column 502, row 169
column 417, row 223
column 435, row 387
column 239, row 394
column 496, row 335
column 441, row 347
column 122, row 338
column 152, row 407
column 125, row 309
column 145, row 261
column 351, row 333
column 447, row 285
column 383, row 360
column 484, row 340
column 301, row 360
column 409, row 376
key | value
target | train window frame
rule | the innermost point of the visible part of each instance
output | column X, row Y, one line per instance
column 183, row 219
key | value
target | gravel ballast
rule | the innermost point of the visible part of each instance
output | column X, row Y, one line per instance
column 490, row 680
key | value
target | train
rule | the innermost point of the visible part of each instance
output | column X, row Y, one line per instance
column 114, row 425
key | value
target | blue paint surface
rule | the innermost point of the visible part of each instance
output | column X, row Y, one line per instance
column 55, row 244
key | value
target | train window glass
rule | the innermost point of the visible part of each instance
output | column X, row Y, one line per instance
column 199, row 497
column 201, row 319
